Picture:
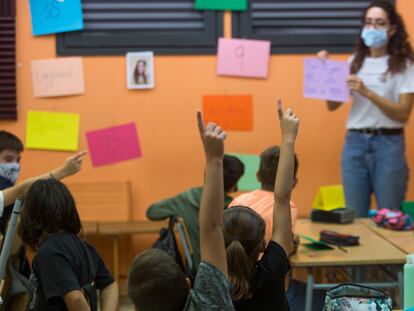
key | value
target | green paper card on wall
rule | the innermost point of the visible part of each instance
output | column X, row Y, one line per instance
column 231, row 5
column 251, row 163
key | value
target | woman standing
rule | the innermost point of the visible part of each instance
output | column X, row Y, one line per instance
column 382, row 88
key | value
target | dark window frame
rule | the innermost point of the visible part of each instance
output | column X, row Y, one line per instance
column 93, row 42
column 288, row 42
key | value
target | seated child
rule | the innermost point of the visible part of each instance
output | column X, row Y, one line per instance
column 65, row 269
column 262, row 200
column 260, row 284
column 11, row 148
column 187, row 204
column 156, row 282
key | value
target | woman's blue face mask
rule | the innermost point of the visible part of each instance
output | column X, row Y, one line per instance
column 374, row 38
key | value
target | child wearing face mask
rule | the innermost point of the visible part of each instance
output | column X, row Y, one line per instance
column 11, row 148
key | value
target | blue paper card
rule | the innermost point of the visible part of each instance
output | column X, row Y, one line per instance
column 54, row 16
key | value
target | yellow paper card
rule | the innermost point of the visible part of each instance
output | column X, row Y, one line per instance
column 52, row 130
column 329, row 198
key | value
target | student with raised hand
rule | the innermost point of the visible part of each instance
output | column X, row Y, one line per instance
column 71, row 166
column 156, row 282
column 260, row 284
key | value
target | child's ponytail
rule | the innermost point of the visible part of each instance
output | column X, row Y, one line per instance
column 244, row 232
column 239, row 269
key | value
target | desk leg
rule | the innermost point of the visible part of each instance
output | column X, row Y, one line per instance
column 309, row 290
column 400, row 289
column 115, row 259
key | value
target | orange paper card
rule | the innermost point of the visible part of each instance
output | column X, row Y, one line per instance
column 57, row 77
column 231, row 112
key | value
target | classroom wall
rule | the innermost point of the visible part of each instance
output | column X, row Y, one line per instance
column 172, row 156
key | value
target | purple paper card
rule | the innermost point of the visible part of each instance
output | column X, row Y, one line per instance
column 326, row 79
column 113, row 144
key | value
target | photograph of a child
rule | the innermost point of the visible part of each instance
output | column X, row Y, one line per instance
column 140, row 70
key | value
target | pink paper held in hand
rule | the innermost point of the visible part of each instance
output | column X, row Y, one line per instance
column 243, row 58
column 114, row 144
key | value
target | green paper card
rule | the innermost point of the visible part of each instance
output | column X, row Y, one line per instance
column 251, row 163
column 231, row 5
column 315, row 244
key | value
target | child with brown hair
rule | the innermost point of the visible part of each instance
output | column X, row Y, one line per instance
column 260, row 284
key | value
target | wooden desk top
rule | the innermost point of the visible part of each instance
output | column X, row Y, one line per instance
column 373, row 249
column 131, row 227
column 382, row 231
column 404, row 240
column 89, row 228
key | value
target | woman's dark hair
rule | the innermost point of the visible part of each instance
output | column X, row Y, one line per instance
column 48, row 208
column 137, row 74
column 399, row 47
column 244, row 237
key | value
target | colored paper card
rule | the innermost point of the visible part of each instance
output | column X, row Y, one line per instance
column 315, row 244
column 243, row 58
column 114, row 144
column 249, row 180
column 52, row 130
column 58, row 77
column 231, row 112
column 326, row 79
column 329, row 198
column 231, row 5
column 53, row 16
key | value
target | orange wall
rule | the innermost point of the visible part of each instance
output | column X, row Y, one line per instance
column 172, row 157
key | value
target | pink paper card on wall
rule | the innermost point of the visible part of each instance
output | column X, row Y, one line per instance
column 58, row 77
column 243, row 58
column 114, row 144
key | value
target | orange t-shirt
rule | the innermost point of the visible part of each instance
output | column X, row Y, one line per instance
column 262, row 202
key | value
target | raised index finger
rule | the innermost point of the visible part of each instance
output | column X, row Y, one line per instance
column 80, row 155
column 200, row 122
column 279, row 109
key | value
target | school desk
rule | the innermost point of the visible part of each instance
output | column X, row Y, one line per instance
column 115, row 230
column 404, row 240
column 374, row 250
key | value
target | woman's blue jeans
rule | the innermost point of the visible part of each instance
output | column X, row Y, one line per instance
column 374, row 164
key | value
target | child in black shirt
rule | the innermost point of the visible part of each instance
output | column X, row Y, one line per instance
column 260, row 284
column 156, row 282
column 64, row 267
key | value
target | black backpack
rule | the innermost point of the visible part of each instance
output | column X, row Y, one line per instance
column 168, row 243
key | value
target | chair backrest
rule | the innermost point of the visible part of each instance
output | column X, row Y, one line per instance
column 186, row 244
column 103, row 201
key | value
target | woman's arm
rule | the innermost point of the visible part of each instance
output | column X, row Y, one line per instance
column 76, row 301
column 71, row 166
column 397, row 111
column 110, row 297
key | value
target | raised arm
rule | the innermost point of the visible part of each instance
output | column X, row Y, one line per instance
column 71, row 166
column 212, row 199
column 282, row 224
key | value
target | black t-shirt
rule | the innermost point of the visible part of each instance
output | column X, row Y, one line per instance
column 268, row 285
column 64, row 263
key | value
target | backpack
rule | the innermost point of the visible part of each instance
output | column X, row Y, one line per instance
column 393, row 219
column 168, row 243
column 354, row 297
